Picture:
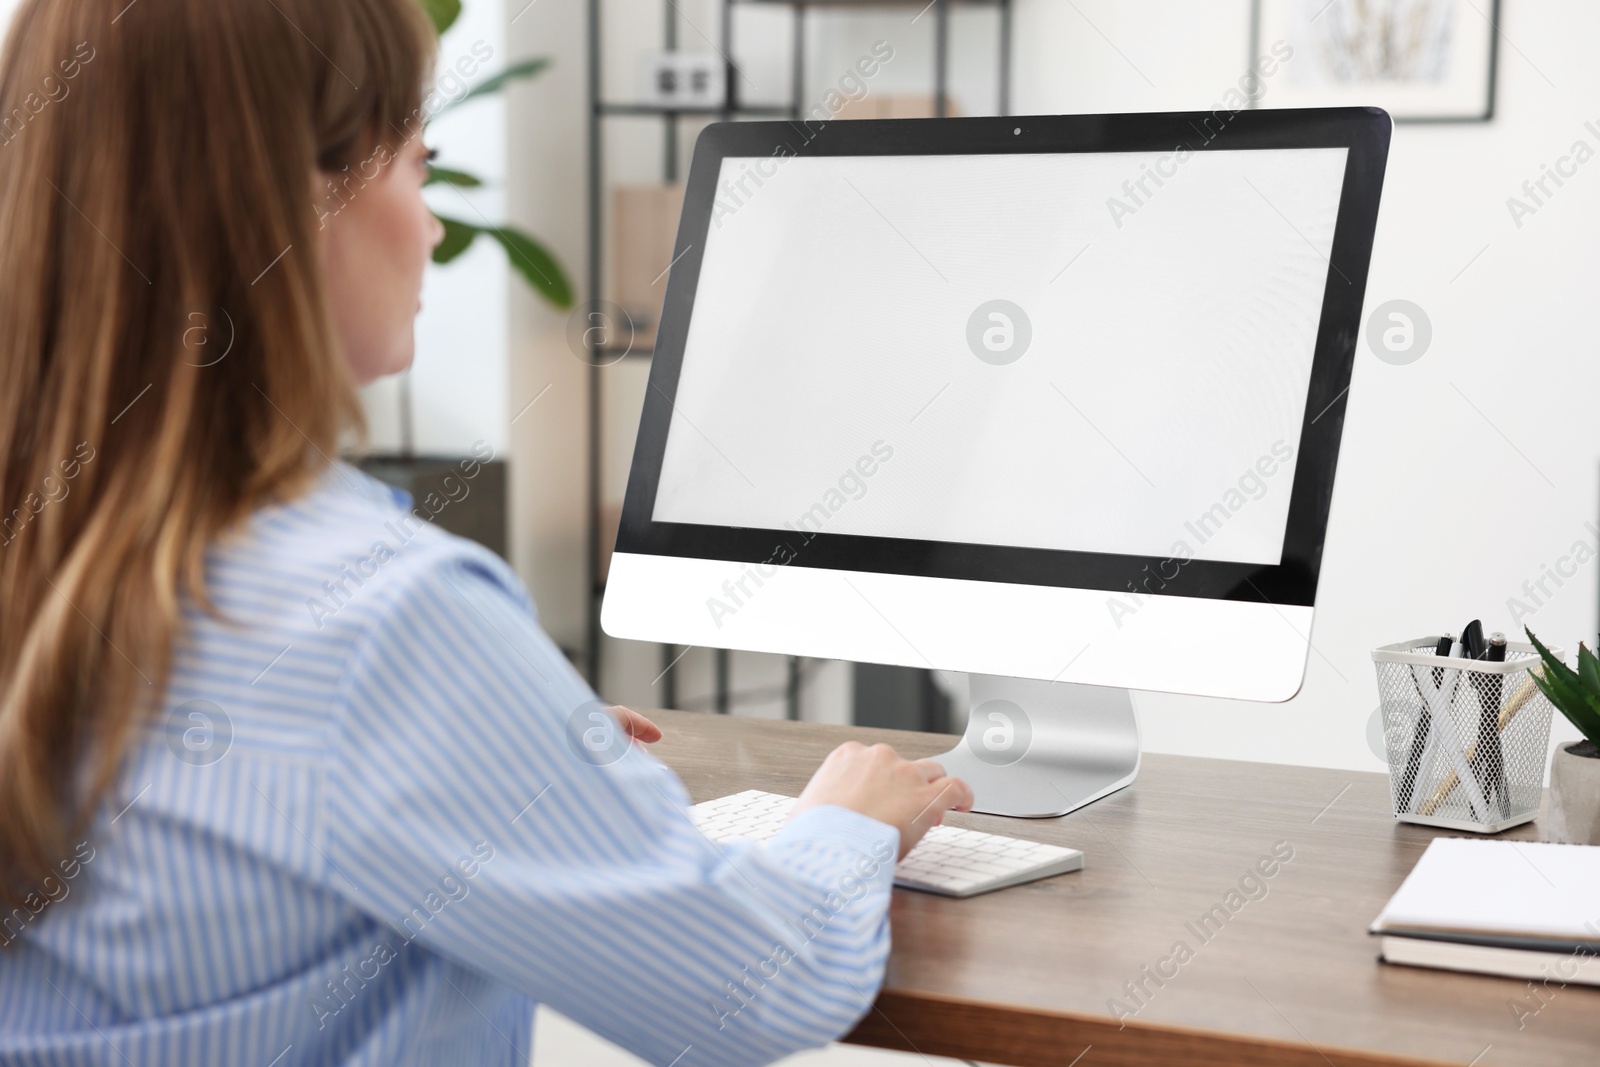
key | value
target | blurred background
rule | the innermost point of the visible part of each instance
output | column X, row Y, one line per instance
column 1467, row 481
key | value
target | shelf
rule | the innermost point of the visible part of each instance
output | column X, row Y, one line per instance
column 610, row 355
column 650, row 110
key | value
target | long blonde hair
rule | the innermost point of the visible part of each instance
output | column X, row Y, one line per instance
column 167, row 359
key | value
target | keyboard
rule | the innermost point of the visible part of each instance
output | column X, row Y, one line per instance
column 948, row 860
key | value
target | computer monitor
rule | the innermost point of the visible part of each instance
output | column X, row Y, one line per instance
column 1055, row 401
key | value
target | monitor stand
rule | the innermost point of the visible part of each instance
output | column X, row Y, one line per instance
column 1039, row 749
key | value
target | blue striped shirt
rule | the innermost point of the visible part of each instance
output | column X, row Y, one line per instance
column 381, row 818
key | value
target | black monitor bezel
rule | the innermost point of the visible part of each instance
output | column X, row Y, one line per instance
column 1365, row 132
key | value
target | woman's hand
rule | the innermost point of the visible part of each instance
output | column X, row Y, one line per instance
column 878, row 783
column 636, row 726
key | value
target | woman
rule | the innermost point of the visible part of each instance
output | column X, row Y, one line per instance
column 286, row 775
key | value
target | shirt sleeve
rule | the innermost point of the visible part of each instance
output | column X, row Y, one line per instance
column 482, row 802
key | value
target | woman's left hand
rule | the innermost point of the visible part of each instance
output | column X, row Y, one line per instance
column 637, row 726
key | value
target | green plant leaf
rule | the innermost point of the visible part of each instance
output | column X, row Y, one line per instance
column 1557, row 676
column 1551, row 663
column 1587, row 722
column 1566, row 691
column 527, row 256
column 458, row 237
column 1588, row 670
column 443, row 13
column 1568, row 700
column 516, row 72
column 452, row 177
column 535, row 263
column 1559, row 682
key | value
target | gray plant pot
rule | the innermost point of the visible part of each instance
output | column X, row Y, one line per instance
column 1575, row 795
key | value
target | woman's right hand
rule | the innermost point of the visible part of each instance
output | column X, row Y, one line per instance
column 874, row 780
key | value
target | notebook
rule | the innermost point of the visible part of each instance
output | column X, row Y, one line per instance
column 1525, row 909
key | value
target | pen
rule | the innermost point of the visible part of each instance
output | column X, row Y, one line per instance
column 1442, row 731
column 1423, row 731
column 1474, row 647
column 1495, row 652
column 1441, row 647
column 1486, row 762
column 1440, row 698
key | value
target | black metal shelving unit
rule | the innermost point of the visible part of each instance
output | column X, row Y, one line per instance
column 601, row 356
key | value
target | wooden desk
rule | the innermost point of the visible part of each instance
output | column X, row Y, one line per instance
column 1024, row 976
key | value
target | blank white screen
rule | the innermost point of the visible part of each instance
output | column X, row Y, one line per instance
column 1171, row 350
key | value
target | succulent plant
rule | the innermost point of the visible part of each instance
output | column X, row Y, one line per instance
column 1576, row 693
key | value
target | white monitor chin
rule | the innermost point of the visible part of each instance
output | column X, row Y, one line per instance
column 1219, row 648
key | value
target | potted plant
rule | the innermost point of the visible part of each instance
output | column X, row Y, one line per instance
column 1574, row 816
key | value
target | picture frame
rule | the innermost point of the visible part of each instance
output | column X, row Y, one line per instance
column 1423, row 61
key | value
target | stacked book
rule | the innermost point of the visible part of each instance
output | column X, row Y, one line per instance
column 1523, row 909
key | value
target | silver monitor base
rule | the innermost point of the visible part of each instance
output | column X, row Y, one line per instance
column 1039, row 749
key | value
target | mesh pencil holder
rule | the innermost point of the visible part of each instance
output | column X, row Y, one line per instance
column 1466, row 739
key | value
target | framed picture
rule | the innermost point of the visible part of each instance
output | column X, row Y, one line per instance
column 1420, row 60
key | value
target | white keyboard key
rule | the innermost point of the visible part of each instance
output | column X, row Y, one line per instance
column 948, row 860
